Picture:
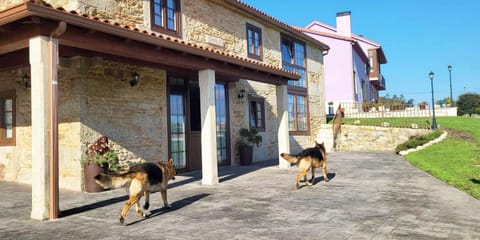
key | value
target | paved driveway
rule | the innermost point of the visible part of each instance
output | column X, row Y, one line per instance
column 370, row 196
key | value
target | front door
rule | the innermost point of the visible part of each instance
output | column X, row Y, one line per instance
column 185, row 124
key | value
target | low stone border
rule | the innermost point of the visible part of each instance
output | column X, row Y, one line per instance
column 437, row 140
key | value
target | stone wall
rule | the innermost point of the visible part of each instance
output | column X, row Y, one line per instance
column 134, row 118
column 366, row 138
column 221, row 27
column 15, row 161
column 4, row 4
column 95, row 99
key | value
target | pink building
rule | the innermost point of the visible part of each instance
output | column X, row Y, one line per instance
column 352, row 66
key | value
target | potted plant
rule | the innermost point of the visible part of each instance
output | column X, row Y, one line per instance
column 330, row 108
column 448, row 102
column 248, row 138
column 422, row 105
column 100, row 159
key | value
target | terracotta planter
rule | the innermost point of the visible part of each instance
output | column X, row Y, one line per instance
column 246, row 154
column 90, row 171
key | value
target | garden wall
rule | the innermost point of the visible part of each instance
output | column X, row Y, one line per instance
column 367, row 138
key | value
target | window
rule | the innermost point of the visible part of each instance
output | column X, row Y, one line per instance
column 294, row 59
column 254, row 42
column 257, row 113
column 297, row 113
column 7, row 118
column 165, row 16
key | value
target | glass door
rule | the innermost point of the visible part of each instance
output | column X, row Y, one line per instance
column 221, row 124
column 177, row 130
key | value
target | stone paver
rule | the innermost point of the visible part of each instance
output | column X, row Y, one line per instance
column 370, row 196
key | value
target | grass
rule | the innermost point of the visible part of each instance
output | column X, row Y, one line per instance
column 415, row 141
column 456, row 160
column 421, row 122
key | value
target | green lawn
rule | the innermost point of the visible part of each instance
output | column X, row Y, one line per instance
column 421, row 122
column 457, row 159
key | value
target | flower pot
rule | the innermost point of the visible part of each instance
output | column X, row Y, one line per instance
column 246, row 154
column 90, row 171
column 330, row 109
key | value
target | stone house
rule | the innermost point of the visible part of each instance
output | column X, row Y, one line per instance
column 205, row 69
column 353, row 64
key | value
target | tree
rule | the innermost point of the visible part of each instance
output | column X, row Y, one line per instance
column 468, row 103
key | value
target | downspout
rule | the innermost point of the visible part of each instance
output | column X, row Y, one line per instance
column 53, row 49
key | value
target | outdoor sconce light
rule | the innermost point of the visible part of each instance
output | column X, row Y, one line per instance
column 241, row 94
column 135, row 78
column 25, row 81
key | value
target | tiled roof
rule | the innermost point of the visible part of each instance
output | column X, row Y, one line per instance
column 43, row 9
column 325, row 34
column 288, row 28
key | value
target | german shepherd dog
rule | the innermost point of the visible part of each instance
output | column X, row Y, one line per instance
column 141, row 180
column 309, row 158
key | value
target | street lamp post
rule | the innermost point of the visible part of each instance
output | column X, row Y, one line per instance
column 434, row 120
column 450, row 73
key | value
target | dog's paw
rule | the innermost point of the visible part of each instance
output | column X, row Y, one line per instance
column 146, row 206
column 166, row 205
column 326, row 180
column 147, row 213
column 309, row 183
column 122, row 220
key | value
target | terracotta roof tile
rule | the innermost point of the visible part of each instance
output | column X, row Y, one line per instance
column 171, row 39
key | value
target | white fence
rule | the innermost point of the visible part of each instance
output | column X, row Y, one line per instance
column 357, row 110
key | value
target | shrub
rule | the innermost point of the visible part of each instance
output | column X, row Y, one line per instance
column 100, row 153
column 415, row 141
column 468, row 103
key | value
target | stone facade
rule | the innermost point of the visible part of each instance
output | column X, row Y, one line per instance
column 204, row 21
column 13, row 166
column 96, row 99
column 9, row 3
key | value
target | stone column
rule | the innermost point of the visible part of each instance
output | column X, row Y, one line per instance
column 40, row 60
column 209, row 135
column 283, row 135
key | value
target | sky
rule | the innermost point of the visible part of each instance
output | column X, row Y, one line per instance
column 417, row 36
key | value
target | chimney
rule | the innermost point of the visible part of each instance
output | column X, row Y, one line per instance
column 344, row 27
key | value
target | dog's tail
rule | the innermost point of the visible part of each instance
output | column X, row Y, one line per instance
column 289, row 158
column 112, row 181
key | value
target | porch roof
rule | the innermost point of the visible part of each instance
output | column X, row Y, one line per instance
column 91, row 35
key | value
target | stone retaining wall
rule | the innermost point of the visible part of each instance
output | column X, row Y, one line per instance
column 366, row 138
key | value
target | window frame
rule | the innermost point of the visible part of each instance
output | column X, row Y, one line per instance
column 163, row 28
column 3, row 140
column 293, row 64
column 294, row 90
column 296, row 130
column 261, row 102
column 254, row 29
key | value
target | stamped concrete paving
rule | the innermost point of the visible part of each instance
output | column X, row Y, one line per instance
column 370, row 196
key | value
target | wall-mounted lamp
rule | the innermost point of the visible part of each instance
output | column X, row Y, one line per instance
column 25, row 81
column 135, row 78
column 241, row 93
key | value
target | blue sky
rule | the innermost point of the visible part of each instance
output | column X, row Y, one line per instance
column 416, row 36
